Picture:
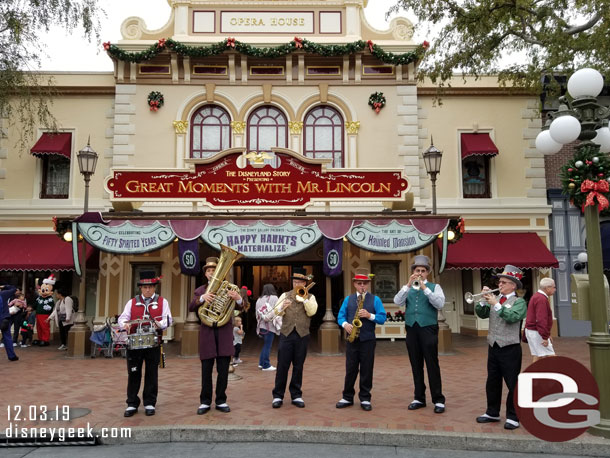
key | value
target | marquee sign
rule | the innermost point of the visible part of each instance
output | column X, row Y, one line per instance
column 390, row 238
column 263, row 241
column 224, row 182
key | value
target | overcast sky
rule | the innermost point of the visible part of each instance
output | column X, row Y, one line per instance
column 70, row 53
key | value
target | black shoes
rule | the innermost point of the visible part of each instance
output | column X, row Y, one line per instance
column 343, row 404
column 511, row 426
column 223, row 408
column 439, row 409
column 487, row 419
column 276, row 404
column 366, row 406
column 203, row 410
column 149, row 412
column 416, row 405
column 130, row 412
column 14, row 358
column 299, row 403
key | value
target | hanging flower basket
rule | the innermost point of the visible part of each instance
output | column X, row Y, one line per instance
column 155, row 100
column 377, row 101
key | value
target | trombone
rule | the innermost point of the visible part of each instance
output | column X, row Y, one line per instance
column 471, row 298
column 279, row 309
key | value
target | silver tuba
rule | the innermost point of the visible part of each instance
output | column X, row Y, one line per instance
column 218, row 312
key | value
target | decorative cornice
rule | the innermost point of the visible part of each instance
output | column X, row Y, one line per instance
column 296, row 127
column 352, row 127
column 180, row 127
column 238, row 126
column 474, row 91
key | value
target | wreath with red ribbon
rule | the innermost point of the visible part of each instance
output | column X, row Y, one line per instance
column 155, row 100
column 377, row 101
column 585, row 178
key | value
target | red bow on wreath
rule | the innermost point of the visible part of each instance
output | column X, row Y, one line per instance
column 461, row 226
column 231, row 42
column 161, row 43
column 106, row 46
column 595, row 189
column 298, row 42
column 370, row 43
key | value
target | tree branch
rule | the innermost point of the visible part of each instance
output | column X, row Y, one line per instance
column 572, row 30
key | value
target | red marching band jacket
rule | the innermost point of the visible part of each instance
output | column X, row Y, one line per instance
column 138, row 309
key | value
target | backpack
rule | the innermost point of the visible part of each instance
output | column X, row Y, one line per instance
column 74, row 303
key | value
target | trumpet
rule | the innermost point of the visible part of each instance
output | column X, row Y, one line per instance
column 279, row 309
column 416, row 285
column 471, row 298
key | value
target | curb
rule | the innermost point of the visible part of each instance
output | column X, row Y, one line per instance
column 583, row 446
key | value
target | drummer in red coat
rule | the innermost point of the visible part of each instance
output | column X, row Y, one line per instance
column 215, row 343
column 146, row 305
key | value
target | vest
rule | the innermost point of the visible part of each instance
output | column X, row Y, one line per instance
column 295, row 317
column 367, row 331
column 419, row 310
column 138, row 309
column 500, row 331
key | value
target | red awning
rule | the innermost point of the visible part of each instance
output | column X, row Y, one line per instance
column 495, row 250
column 50, row 143
column 37, row 252
column 478, row 144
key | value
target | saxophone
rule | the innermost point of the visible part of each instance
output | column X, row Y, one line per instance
column 219, row 311
column 356, row 323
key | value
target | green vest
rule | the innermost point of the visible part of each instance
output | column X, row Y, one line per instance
column 418, row 309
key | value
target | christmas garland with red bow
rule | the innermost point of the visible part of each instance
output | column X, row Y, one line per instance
column 585, row 178
column 298, row 44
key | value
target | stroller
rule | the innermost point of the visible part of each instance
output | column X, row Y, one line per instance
column 108, row 339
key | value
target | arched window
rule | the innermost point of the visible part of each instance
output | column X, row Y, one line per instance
column 323, row 135
column 267, row 128
column 210, row 131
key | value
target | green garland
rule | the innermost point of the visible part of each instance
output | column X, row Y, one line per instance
column 587, row 164
column 298, row 44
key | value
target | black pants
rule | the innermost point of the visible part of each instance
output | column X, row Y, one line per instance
column 16, row 321
column 135, row 358
column 63, row 332
column 292, row 349
column 502, row 363
column 237, row 348
column 359, row 356
column 422, row 345
column 222, row 368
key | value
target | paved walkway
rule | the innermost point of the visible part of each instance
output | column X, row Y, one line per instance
column 45, row 377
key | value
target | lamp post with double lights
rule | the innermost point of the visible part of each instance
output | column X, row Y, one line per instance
column 78, row 335
column 585, row 179
column 432, row 160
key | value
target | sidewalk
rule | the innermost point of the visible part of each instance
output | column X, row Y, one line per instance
column 45, row 377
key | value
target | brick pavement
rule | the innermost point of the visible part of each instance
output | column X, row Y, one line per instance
column 44, row 376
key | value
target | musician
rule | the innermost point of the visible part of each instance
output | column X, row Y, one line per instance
column 294, row 338
column 146, row 305
column 215, row 344
column 360, row 354
column 422, row 305
column 505, row 314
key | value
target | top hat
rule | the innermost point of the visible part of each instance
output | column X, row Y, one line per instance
column 210, row 262
column 421, row 261
column 148, row 277
column 299, row 273
column 362, row 274
column 49, row 281
column 513, row 274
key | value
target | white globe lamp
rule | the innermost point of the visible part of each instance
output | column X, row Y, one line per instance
column 565, row 129
column 545, row 144
column 603, row 139
column 586, row 82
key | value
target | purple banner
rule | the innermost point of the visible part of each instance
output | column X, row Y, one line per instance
column 333, row 255
column 188, row 252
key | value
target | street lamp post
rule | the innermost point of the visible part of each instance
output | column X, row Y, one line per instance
column 432, row 161
column 584, row 118
column 77, row 338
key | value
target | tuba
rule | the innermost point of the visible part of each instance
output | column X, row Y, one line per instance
column 218, row 312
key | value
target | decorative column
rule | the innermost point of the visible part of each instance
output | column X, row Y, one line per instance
column 352, row 128
column 296, row 128
column 238, row 128
column 180, row 130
